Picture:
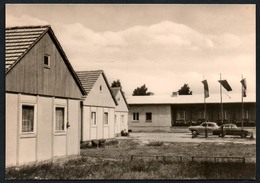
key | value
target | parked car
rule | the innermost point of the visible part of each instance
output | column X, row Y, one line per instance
column 231, row 129
column 211, row 126
column 180, row 122
column 199, row 121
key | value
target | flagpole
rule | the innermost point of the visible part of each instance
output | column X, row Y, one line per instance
column 242, row 104
column 221, row 104
column 221, row 108
column 204, row 103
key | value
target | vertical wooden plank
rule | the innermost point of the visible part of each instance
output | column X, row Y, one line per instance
column 37, row 128
column 52, row 127
column 18, row 128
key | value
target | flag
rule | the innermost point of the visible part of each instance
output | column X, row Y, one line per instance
column 225, row 84
column 206, row 88
column 243, row 82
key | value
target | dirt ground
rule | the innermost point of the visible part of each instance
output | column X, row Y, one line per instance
column 176, row 144
column 152, row 156
column 187, row 137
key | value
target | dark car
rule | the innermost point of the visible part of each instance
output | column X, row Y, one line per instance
column 231, row 129
column 180, row 122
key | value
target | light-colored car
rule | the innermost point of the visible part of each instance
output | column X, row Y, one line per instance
column 210, row 126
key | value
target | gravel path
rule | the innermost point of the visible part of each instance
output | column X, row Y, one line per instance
column 187, row 137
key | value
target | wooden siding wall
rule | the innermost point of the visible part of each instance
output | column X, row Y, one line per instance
column 30, row 76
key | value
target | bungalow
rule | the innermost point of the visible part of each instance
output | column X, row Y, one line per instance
column 121, row 110
column 98, row 108
column 161, row 113
column 43, row 95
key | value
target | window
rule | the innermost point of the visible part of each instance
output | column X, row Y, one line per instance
column 93, row 118
column 28, row 119
column 106, row 118
column 180, row 115
column 60, row 119
column 100, row 88
column 135, row 116
column 47, row 62
column 122, row 118
column 148, row 116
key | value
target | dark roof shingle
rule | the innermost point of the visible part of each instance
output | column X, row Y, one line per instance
column 88, row 78
column 19, row 40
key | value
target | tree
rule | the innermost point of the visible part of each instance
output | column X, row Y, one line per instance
column 185, row 90
column 141, row 91
column 116, row 83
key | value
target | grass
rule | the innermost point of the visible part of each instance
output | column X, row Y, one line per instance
column 83, row 168
column 114, row 163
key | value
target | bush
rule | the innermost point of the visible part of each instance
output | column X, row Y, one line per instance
column 156, row 143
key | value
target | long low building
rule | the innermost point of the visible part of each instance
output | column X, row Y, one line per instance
column 161, row 113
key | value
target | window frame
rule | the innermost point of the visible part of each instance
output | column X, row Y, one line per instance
column 104, row 119
column 135, row 118
column 95, row 119
column 122, row 118
column 65, row 119
column 48, row 66
column 34, row 132
column 148, row 120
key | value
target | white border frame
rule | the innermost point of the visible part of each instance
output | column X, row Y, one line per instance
column 65, row 120
column 28, row 134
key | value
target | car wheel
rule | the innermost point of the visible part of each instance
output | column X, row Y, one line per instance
column 243, row 135
column 194, row 132
column 224, row 133
column 220, row 135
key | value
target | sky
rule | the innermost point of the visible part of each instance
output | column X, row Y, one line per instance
column 162, row 46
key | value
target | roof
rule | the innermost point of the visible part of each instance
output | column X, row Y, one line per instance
column 89, row 78
column 189, row 99
column 20, row 40
column 115, row 91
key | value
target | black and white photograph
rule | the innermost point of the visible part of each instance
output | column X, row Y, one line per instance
column 130, row 91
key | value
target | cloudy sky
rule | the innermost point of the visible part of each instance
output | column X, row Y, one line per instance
column 162, row 46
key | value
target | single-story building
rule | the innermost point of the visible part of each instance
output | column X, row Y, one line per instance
column 161, row 113
column 98, row 108
column 43, row 95
column 121, row 111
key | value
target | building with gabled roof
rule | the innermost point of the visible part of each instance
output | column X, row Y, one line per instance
column 43, row 95
column 98, row 110
column 121, row 110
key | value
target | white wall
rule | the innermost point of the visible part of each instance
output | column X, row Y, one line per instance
column 44, row 143
column 119, row 126
column 161, row 117
column 98, row 131
column 11, row 135
column 99, row 102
